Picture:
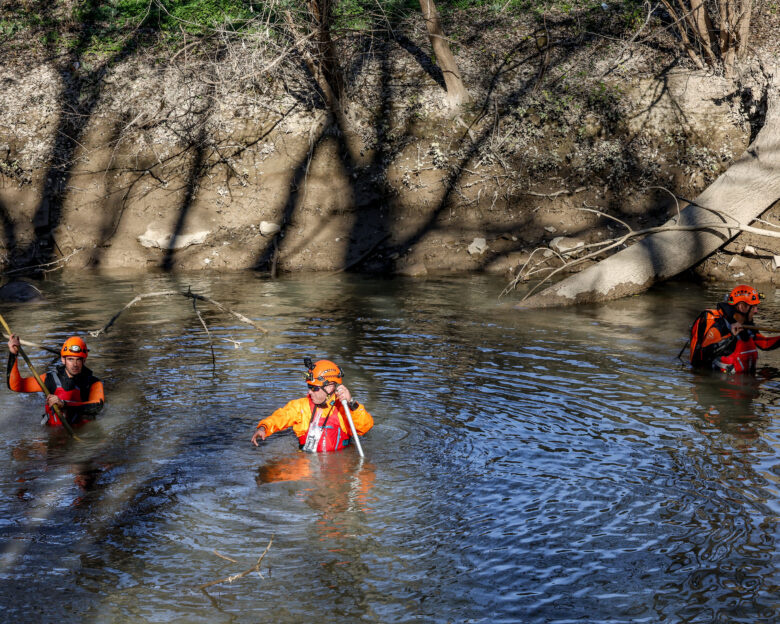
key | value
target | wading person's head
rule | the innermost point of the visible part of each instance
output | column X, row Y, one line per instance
column 74, row 353
column 744, row 299
column 322, row 378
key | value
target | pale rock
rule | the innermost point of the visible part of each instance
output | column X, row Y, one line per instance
column 736, row 262
column 154, row 239
column 478, row 246
column 267, row 228
column 19, row 290
column 564, row 244
column 749, row 250
column 551, row 229
column 775, row 263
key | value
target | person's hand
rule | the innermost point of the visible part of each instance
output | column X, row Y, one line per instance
column 260, row 433
column 343, row 394
column 13, row 344
column 736, row 327
column 53, row 399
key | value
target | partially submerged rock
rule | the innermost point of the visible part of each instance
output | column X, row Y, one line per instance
column 18, row 291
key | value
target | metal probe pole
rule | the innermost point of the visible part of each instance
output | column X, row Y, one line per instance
column 352, row 428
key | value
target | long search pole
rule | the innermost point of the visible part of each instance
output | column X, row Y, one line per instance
column 773, row 330
column 352, row 428
column 56, row 407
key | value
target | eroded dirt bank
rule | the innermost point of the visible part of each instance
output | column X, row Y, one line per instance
column 196, row 162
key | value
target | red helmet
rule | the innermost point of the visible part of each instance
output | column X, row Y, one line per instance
column 74, row 347
column 322, row 372
column 744, row 293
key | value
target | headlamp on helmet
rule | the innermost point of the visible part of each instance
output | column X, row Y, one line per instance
column 744, row 294
column 322, row 372
column 74, row 347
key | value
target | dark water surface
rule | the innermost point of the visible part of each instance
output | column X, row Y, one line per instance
column 556, row 466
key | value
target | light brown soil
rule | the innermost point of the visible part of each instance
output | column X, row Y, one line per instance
column 159, row 166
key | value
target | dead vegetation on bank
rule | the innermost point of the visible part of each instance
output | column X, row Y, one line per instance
column 178, row 160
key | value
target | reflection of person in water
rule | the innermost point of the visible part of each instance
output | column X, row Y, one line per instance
column 35, row 458
column 339, row 483
column 730, row 403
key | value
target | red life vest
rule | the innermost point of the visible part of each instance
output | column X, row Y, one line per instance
column 333, row 438
column 742, row 360
column 65, row 395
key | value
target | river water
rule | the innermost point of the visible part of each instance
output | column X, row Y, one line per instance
column 553, row 466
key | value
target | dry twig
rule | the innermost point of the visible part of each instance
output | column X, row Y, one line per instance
column 235, row 577
column 556, row 193
column 208, row 333
column 54, row 264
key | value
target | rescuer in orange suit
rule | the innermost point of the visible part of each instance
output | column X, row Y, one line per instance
column 719, row 339
column 70, row 385
column 318, row 419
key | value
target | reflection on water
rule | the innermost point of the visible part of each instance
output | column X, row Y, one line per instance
column 547, row 466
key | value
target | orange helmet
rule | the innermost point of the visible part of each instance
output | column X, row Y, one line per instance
column 74, row 347
column 322, row 372
column 744, row 293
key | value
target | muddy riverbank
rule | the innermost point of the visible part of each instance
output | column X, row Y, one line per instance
column 199, row 161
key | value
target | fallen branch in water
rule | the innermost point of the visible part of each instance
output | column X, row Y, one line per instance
column 35, row 345
column 208, row 333
column 235, row 577
column 188, row 294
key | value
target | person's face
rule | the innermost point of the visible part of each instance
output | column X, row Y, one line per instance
column 73, row 365
column 748, row 311
column 319, row 394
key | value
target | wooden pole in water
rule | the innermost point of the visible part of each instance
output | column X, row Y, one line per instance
column 55, row 407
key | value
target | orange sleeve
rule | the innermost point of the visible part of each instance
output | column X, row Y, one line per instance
column 361, row 418
column 291, row 415
column 766, row 343
column 17, row 383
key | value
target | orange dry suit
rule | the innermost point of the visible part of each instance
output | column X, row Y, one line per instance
column 335, row 435
column 714, row 346
column 83, row 394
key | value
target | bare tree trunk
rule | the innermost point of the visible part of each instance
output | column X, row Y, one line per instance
column 321, row 11
column 456, row 91
column 686, row 42
column 704, row 29
column 315, row 65
column 744, row 191
column 725, row 42
column 743, row 28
